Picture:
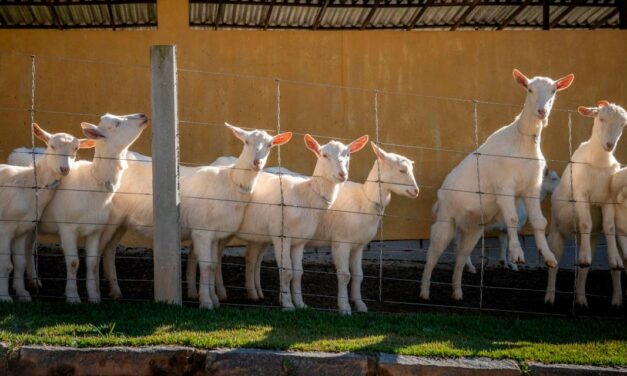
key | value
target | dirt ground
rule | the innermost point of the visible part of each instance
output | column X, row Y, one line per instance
column 504, row 290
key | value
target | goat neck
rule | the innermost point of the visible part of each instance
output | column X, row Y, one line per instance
column 107, row 166
column 375, row 190
column 243, row 177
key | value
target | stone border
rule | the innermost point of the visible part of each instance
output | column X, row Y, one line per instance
column 174, row 360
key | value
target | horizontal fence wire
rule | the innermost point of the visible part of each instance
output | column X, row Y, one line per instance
column 382, row 278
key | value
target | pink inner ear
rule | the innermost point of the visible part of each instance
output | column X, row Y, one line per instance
column 282, row 138
column 603, row 103
column 520, row 78
column 564, row 83
column 358, row 144
column 312, row 144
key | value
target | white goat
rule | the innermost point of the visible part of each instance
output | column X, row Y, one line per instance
column 286, row 210
column 586, row 180
column 81, row 207
column 618, row 188
column 488, row 181
column 22, row 205
column 550, row 180
column 349, row 225
column 212, row 203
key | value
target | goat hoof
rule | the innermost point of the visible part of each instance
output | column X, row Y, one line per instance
column 617, row 302
column 73, row 300
column 582, row 302
column 289, row 309
column 361, row 307
column 549, row 299
column 206, row 305
column 457, row 296
column 115, row 295
column 24, row 298
column 550, row 264
column 424, row 296
column 35, row 283
column 6, row 298
column 94, row 300
column 345, row 311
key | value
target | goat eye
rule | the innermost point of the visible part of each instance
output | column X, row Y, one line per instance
column 52, row 147
column 529, row 90
column 246, row 142
column 325, row 156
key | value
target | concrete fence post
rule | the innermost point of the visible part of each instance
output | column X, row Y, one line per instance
column 165, row 175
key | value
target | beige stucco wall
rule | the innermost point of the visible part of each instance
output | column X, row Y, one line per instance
column 469, row 65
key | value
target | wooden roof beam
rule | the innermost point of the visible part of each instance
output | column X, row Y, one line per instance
column 421, row 10
column 464, row 15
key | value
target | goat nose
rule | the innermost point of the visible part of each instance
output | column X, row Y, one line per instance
column 609, row 145
column 64, row 170
column 542, row 112
column 342, row 175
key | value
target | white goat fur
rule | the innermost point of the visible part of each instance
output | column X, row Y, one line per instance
column 291, row 208
column 212, row 204
column 518, row 173
column 18, row 201
column 550, row 181
column 350, row 224
column 589, row 176
column 82, row 205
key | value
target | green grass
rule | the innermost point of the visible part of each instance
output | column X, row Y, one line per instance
column 595, row 342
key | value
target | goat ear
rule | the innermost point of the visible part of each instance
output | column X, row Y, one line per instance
column 380, row 153
column 603, row 103
column 281, row 138
column 564, row 82
column 91, row 131
column 312, row 145
column 358, row 144
column 588, row 111
column 40, row 133
column 86, row 143
column 238, row 132
column 520, row 78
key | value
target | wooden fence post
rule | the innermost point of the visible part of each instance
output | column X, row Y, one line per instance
column 165, row 175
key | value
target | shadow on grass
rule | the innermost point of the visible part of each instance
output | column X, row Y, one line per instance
column 549, row 340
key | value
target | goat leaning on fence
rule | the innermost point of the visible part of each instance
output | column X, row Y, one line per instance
column 22, row 205
column 212, row 203
column 586, row 180
column 487, row 182
column 550, row 181
column 286, row 210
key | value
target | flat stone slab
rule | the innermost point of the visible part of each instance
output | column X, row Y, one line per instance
column 540, row 369
column 267, row 362
column 162, row 360
column 401, row 365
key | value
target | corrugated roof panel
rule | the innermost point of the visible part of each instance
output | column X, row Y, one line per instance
column 345, row 17
column 244, row 15
column 70, row 15
column 392, row 17
column 202, row 13
column 439, row 16
column 293, row 16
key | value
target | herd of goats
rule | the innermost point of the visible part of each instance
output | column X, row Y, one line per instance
column 497, row 186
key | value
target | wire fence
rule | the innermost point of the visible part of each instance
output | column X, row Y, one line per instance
column 391, row 278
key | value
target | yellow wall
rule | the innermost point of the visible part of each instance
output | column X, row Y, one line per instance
column 472, row 65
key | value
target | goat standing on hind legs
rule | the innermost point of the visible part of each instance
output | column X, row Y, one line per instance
column 587, row 180
column 488, row 181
